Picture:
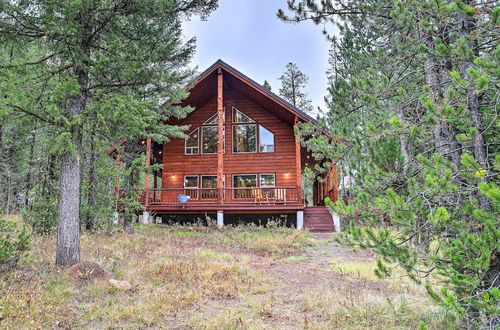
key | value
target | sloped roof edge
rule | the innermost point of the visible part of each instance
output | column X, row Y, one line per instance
column 256, row 85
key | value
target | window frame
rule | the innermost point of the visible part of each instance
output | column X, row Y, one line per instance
column 257, row 134
column 198, row 140
column 207, row 175
column 260, row 182
column 197, row 181
column 259, row 144
column 201, row 139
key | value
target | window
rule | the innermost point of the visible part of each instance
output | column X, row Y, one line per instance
column 267, row 180
column 245, row 180
column 192, row 143
column 245, row 135
column 207, row 136
column 239, row 117
column 244, row 138
column 209, row 181
column 266, row 140
column 191, row 181
column 209, row 139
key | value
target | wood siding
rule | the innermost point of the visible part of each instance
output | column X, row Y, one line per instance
column 281, row 162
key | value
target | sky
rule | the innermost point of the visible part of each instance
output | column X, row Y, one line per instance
column 247, row 35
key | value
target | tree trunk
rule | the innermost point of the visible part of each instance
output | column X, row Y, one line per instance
column 444, row 134
column 68, row 228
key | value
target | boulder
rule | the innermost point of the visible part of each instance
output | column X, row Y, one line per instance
column 124, row 285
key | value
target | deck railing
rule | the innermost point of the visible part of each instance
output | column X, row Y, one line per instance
column 230, row 196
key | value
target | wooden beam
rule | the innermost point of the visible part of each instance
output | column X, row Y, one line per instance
column 335, row 182
column 146, row 175
column 298, row 159
column 220, row 136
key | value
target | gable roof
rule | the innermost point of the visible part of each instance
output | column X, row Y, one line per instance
column 284, row 103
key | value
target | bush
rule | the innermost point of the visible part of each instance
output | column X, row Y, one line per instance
column 41, row 215
column 14, row 241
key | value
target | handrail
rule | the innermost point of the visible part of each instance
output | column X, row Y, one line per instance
column 231, row 195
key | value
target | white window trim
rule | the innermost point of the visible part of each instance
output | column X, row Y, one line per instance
column 197, row 181
column 238, row 174
column 256, row 139
column 232, row 117
column 185, row 143
column 274, row 140
column 201, row 141
column 205, row 175
column 274, row 176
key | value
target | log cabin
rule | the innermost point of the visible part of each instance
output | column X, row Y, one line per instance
column 240, row 160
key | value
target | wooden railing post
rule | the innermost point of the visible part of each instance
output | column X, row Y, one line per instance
column 220, row 137
column 146, row 175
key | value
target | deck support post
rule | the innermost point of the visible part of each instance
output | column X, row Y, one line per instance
column 220, row 138
column 145, row 217
column 300, row 220
column 220, row 218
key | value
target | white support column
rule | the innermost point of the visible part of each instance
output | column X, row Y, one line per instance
column 300, row 220
column 145, row 217
column 116, row 217
column 220, row 219
column 336, row 221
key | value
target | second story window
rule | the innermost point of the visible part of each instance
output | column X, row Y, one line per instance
column 192, row 143
column 206, row 135
column 246, row 137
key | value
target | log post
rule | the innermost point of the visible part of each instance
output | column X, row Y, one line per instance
column 220, row 138
column 335, row 182
column 298, row 160
column 145, row 215
column 117, row 180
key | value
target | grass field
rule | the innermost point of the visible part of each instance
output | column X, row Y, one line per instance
column 202, row 277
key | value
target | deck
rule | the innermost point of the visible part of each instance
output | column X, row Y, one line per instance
column 213, row 199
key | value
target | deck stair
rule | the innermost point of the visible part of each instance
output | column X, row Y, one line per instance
column 318, row 219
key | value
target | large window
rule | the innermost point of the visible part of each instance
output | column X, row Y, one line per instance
column 266, row 140
column 246, row 137
column 244, row 180
column 209, row 139
column 207, row 135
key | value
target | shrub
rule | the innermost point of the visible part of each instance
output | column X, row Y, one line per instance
column 14, row 241
column 41, row 216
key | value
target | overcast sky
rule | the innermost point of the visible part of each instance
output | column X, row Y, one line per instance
column 247, row 35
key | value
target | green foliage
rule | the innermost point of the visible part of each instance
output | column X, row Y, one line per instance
column 41, row 216
column 412, row 109
column 14, row 242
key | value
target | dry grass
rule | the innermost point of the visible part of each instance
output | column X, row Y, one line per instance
column 201, row 277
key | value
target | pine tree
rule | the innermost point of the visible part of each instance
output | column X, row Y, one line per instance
column 267, row 85
column 107, row 64
column 293, row 82
column 408, row 122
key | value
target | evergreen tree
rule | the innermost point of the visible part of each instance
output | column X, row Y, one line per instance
column 293, row 82
column 267, row 85
column 109, row 65
column 412, row 97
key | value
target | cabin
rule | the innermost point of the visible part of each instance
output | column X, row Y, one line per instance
column 240, row 161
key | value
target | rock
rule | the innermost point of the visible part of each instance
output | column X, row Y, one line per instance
column 88, row 272
column 124, row 285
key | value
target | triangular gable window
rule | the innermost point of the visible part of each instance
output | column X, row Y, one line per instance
column 240, row 118
column 214, row 120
